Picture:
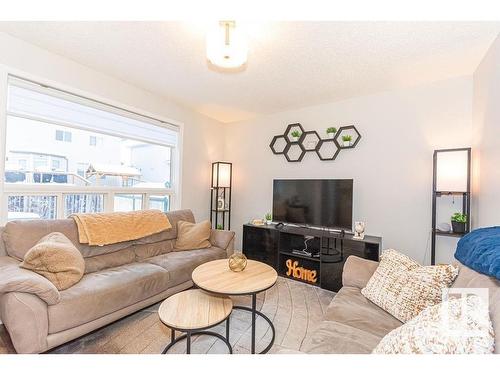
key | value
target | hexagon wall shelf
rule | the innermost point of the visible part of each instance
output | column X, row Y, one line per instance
column 349, row 130
column 327, row 149
column 278, row 144
column 310, row 141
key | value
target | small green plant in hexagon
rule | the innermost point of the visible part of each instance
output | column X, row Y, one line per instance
column 347, row 138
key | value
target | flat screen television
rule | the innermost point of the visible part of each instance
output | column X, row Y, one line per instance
column 322, row 203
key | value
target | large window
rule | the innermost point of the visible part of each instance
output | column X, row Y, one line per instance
column 66, row 154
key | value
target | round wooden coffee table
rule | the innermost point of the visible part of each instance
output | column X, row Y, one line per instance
column 216, row 277
column 193, row 311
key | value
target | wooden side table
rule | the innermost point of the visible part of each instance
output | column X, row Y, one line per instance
column 216, row 277
column 192, row 312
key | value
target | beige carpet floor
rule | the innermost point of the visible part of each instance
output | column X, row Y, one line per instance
column 295, row 308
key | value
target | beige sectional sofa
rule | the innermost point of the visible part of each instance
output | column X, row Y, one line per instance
column 353, row 324
column 119, row 280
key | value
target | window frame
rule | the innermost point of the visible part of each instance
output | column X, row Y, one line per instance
column 61, row 133
column 6, row 189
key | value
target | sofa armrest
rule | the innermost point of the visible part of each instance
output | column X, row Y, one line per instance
column 223, row 239
column 26, row 318
column 357, row 271
column 16, row 279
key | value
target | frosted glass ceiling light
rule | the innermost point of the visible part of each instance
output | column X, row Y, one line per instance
column 227, row 46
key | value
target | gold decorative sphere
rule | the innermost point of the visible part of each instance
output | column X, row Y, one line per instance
column 237, row 262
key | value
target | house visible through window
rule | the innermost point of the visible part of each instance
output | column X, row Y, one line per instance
column 23, row 164
column 136, row 169
column 81, row 168
column 56, row 164
column 63, row 136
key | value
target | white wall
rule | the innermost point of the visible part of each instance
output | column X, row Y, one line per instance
column 202, row 144
column 486, row 111
column 391, row 166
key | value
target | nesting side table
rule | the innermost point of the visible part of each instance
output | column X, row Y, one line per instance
column 193, row 312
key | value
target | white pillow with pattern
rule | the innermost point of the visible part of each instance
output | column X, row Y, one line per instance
column 404, row 288
column 457, row 326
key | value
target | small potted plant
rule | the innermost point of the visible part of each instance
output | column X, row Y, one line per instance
column 295, row 135
column 269, row 218
column 458, row 222
column 346, row 139
column 330, row 132
column 219, row 227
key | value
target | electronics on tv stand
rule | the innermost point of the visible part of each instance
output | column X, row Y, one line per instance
column 305, row 253
column 342, row 232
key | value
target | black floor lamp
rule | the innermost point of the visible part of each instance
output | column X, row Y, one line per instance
column 220, row 200
column 451, row 177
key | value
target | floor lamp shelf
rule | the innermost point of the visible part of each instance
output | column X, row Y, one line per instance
column 451, row 178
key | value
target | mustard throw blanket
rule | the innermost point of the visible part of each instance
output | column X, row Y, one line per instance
column 109, row 228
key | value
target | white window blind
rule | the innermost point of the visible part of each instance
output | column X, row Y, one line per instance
column 33, row 101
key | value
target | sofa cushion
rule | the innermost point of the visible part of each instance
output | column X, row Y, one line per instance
column 101, row 293
column 57, row 259
column 456, row 326
column 192, row 236
column 149, row 250
column 181, row 265
column 351, row 308
column 468, row 278
column 336, row 338
column 111, row 260
column 404, row 288
column 22, row 235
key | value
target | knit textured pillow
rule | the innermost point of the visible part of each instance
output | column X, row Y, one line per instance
column 457, row 326
column 404, row 288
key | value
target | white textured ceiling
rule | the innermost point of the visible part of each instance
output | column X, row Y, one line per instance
column 290, row 65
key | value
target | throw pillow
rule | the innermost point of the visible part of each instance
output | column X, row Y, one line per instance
column 404, row 288
column 457, row 326
column 193, row 236
column 57, row 259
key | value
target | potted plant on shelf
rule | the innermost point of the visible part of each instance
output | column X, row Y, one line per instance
column 269, row 218
column 330, row 132
column 346, row 139
column 295, row 135
column 219, row 227
column 458, row 222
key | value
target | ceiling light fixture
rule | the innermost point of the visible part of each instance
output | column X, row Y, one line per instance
column 227, row 46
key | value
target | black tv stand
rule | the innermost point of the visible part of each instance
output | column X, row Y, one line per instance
column 274, row 245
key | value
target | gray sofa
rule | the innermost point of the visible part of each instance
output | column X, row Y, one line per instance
column 119, row 280
column 353, row 324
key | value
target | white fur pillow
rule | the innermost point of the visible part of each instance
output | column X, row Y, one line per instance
column 404, row 288
column 457, row 326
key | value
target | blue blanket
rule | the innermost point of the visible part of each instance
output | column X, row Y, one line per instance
column 480, row 250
